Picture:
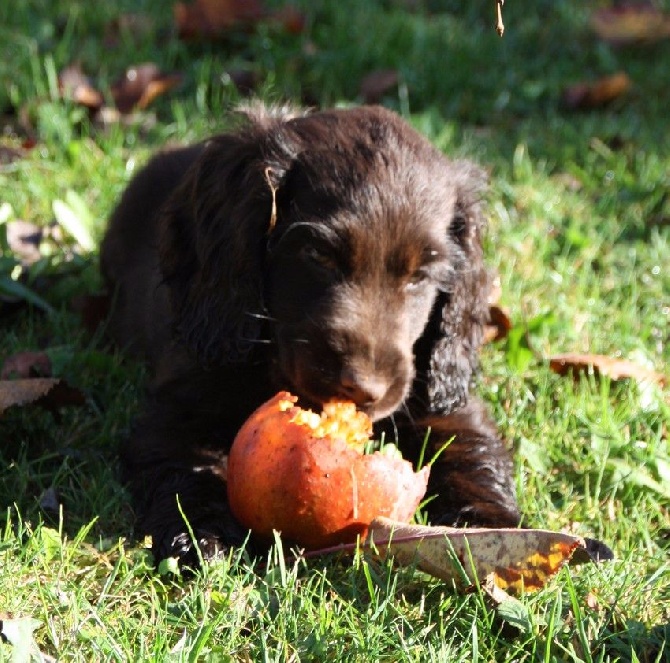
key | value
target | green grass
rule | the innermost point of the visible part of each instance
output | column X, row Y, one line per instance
column 579, row 215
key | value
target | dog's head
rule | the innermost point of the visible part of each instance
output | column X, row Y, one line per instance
column 337, row 229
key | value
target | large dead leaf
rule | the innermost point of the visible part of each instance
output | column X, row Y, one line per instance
column 377, row 83
column 631, row 23
column 50, row 393
column 75, row 85
column 498, row 325
column 290, row 19
column 24, row 239
column 26, row 365
column 598, row 93
column 207, row 19
column 140, row 85
column 516, row 559
column 615, row 369
column 212, row 19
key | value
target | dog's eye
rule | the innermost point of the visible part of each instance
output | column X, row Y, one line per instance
column 321, row 261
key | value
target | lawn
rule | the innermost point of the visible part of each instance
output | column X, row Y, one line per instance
column 579, row 211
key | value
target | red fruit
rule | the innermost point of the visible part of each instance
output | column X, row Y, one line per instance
column 306, row 476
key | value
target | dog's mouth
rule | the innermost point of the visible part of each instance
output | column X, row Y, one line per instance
column 372, row 392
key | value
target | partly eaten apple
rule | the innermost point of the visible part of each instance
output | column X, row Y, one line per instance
column 306, row 475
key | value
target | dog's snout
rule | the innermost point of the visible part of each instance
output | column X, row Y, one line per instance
column 362, row 389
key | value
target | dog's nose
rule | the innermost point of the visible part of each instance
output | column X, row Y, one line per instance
column 362, row 389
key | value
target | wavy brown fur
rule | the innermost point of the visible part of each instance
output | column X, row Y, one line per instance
column 367, row 283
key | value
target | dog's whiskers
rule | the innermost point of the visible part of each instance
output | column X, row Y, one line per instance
column 258, row 341
column 396, row 433
column 260, row 316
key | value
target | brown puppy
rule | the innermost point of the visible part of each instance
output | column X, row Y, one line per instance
column 336, row 255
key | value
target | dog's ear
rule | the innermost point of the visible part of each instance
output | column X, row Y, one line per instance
column 447, row 354
column 212, row 244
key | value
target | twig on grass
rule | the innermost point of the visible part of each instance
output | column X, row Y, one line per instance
column 500, row 26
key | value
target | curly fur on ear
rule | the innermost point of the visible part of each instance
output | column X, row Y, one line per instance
column 213, row 240
column 461, row 311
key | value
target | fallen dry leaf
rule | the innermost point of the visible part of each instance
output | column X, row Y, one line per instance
column 26, row 365
column 140, row 85
column 631, row 24
column 598, row 93
column 24, row 240
column 290, row 19
column 494, row 591
column 615, row 369
column 498, row 325
column 377, row 83
column 208, row 19
column 50, row 393
column 517, row 559
column 76, row 86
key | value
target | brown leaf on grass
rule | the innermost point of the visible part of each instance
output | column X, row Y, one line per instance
column 598, row 93
column 631, row 23
column 49, row 393
column 498, row 325
column 494, row 591
column 377, row 83
column 140, row 85
column 517, row 559
column 24, row 240
column 76, row 86
column 616, row 369
column 208, row 19
column 290, row 19
column 26, row 365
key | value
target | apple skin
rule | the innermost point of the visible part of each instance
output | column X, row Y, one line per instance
column 318, row 492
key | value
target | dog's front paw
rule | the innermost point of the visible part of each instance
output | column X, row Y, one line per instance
column 191, row 550
column 191, row 553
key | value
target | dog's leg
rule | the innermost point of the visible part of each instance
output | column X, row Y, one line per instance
column 181, row 504
column 471, row 482
column 173, row 462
